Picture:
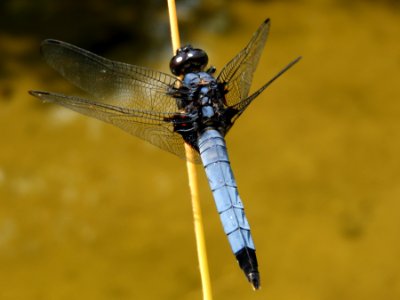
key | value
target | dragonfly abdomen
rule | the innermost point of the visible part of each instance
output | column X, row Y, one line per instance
column 216, row 163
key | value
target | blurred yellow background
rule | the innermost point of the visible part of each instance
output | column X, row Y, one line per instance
column 89, row 212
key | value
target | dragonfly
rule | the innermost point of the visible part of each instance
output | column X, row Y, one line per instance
column 191, row 106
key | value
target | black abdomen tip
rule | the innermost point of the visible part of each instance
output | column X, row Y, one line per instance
column 248, row 263
column 254, row 279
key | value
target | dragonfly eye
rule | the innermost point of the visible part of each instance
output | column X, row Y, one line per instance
column 188, row 60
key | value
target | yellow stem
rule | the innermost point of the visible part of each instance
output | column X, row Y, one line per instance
column 173, row 23
column 191, row 168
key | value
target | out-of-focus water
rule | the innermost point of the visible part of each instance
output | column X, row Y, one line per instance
column 89, row 212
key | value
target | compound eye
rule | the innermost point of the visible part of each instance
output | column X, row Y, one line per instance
column 188, row 60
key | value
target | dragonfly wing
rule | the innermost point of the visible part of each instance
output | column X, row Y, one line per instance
column 242, row 105
column 156, row 128
column 237, row 75
column 111, row 82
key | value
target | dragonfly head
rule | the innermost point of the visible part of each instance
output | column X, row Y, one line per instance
column 188, row 60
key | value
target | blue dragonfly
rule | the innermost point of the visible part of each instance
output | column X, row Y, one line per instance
column 191, row 106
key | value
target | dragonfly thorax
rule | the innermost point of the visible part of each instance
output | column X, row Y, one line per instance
column 203, row 95
column 202, row 100
column 194, row 80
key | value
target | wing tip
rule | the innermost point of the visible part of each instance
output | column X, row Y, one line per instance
column 38, row 94
column 33, row 93
column 295, row 61
column 50, row 41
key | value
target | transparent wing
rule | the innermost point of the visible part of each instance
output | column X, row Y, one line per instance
column 237, row 75
column 109, row 81
column 154, row 127
column 133, row 98
column 242, row 105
